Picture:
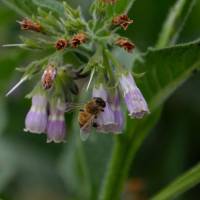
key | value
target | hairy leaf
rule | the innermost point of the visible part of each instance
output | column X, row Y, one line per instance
column 166, row 69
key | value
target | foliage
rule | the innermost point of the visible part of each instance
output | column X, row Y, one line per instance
column 99, row 167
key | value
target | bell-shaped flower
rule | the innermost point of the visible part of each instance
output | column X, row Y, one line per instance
column 56, row 128
column 136, row 104
column 118, row 114
column 36, row 119
column 106, row 119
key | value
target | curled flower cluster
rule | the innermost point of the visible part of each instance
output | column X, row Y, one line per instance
column 97, row 73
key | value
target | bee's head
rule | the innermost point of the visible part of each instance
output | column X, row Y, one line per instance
column 100, row 102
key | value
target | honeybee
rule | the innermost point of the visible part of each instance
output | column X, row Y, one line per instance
column 48, row 77
column 88, row 114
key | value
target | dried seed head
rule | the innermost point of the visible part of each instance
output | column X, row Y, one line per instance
column 122, row 20
column 61, row 44
column 48, row 77
column 125, row 43
column 78, row 39
column 27, row 24
column 109, row 1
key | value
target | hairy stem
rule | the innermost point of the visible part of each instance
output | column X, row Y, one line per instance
column 124, row 151
column 169, row 25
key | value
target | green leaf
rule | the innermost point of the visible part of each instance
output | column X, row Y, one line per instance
column 180, row 185
column 51, row 5
column 14, row 6
column 166, row 69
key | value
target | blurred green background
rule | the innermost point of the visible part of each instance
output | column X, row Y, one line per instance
column 30, row 169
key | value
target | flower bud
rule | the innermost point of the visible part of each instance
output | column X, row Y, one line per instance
column 125, row 43
column 122, row 20
column 56, row 128
column 134, row 99
column 78, row 39
column 61, row 44
column 36, row 119
column 48, row 77
column 27, row 24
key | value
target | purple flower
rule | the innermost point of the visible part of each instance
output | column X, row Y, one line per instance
column 134, row 99
column 118, row 114
column 36, row 119
column 56, row 128
column 106, row 119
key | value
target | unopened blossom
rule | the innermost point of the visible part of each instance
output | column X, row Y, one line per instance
column 118, row 114
column 56, row 128
column 36, row 119
column 106, row 120
column 125, row 43
column 48, row 77
column 78, row 39
column 134, row 99
column 122, row 20
column 27, row 24
column 61, row 44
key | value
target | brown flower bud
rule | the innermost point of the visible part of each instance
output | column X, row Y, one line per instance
column 48, row 77
column 122, row 20
column 78, row 39
column 61, row 44
column 27, row 24
column 125, row 43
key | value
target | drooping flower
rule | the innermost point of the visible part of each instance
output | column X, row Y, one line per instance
column 106, row 119
column 125, row 43
column 36, row 119
column 122, row 20
column 134, row 99
column 78, row 39
column 56, row 128
column 118, row 114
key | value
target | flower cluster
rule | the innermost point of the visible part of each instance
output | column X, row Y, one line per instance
column 45, row 118
column 94, row 70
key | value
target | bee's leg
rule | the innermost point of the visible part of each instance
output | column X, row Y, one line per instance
column 95, row 125
column 81, row 110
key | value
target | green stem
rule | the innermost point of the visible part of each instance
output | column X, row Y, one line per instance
column 169, row 26
column 124, row 151
column 180, row 185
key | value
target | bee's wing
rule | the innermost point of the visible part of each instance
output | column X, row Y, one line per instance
column 86, row 129
column 72, row 106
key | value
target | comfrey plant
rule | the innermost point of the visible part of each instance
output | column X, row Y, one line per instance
column 58, row 83
column 79, row 68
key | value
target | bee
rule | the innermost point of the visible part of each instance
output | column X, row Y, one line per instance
column 48, row 77
column 88, row 114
